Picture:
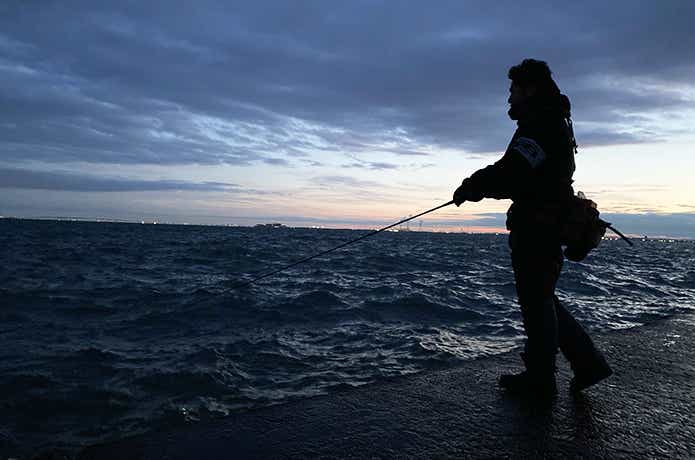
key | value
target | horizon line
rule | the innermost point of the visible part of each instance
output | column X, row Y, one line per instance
column 483, row 230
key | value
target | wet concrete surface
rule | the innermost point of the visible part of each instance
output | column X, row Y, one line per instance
column 645, row 410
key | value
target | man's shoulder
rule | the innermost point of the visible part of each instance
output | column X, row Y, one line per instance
column 529, row 148
column 550, row 138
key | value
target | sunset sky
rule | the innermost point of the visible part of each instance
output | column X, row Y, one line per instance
column 337, row 114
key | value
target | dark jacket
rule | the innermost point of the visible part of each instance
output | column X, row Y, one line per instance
column 535, row 171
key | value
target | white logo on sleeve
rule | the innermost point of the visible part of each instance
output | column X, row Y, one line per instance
column 530, row 150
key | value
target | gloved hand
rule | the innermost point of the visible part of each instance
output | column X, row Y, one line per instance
column 466, row 193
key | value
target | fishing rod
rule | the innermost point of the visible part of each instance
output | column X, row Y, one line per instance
column 615, row 230
column 306, row 259
column 342, row 245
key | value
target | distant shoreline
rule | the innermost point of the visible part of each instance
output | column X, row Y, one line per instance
column 260, row 225
column 275, row 226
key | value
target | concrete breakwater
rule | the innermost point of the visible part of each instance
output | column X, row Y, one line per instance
column 643, row 411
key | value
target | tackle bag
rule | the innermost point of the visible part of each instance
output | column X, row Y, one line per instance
column 581, row 230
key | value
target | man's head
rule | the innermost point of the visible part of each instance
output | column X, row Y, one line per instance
column 531, row 85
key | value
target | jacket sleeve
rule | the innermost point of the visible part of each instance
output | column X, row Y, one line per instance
column 506, row 177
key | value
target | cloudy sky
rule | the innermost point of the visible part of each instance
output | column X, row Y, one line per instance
column 333, row 113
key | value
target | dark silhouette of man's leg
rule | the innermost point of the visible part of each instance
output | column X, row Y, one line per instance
column 536, row 270
column 586, row 360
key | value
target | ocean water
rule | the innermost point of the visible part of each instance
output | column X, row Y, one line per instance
column 109, row 330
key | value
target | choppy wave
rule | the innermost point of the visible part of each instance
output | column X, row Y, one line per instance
column 114, row 329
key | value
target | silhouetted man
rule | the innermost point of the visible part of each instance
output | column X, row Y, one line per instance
column 536, row 174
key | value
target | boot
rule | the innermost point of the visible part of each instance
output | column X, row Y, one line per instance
column 538, row 384
column 527, row 384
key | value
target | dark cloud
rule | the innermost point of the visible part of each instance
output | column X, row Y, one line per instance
column 64, row 181
column 348, row 181
column 213, row 82
column 371, row 165
column 276, row 161
column 381, row 165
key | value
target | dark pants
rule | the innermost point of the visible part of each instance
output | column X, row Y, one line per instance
column 537, row 262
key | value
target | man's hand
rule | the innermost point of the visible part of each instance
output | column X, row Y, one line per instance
column 466, row 193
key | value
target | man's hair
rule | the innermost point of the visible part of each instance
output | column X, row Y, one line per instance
column 537, row 74
column 532, row 72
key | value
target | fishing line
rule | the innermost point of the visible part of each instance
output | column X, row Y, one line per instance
column 342, row 245
column 306, row 259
